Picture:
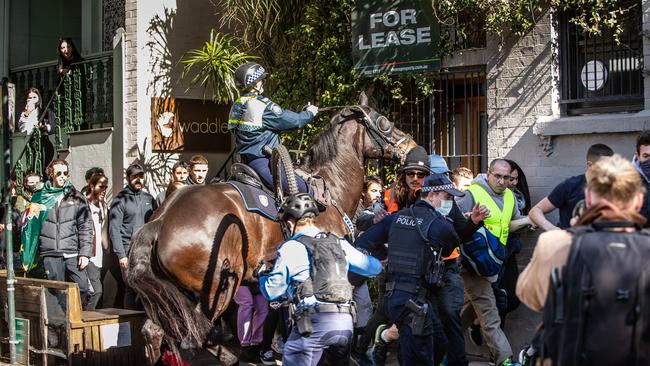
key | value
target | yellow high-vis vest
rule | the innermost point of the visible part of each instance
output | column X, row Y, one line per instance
column 499, row 221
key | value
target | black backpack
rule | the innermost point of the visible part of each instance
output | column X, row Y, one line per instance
column 329, row 275
column 598, row 313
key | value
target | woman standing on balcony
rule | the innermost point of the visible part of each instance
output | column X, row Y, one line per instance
column 73, row 89
column 68, row 56
column 28, row 122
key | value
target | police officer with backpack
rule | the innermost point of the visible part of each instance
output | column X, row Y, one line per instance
column 418, row 237
column 311, row 268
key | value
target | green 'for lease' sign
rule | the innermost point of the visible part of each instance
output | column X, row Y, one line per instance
column 391, row 37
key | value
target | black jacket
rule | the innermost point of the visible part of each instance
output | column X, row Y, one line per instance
column 68, row 227
column 129, row 211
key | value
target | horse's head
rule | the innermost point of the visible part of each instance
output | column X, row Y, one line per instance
column 381, row 138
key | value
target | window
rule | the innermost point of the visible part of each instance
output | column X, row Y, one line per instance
column 597, row 74
column 452, row 122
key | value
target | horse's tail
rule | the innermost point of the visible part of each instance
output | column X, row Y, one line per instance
column 163, row 301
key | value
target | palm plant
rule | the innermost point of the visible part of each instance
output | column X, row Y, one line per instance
column 215, row 65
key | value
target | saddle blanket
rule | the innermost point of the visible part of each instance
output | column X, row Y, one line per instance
column 256, row 200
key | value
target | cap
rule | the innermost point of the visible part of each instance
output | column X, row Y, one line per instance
column 134, row 169
column 440, row 182
column 416, row 159
column 438, row 164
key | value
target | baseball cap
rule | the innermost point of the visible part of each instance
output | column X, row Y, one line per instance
column 440, row 182
column 438, row 164
column 134, row 169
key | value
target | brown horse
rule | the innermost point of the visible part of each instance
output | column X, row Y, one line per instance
column 187, row 263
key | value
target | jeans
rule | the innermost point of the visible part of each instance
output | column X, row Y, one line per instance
column 251, row 315
column 328, row 344
column 449, row 301
column 64, row 269
column 93, row 273
column 262, row 166
column 361, row 297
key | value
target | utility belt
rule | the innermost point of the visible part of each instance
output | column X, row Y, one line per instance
column 302, row 316
column 418, row 317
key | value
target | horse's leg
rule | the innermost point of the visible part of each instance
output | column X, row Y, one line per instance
column 153, row 335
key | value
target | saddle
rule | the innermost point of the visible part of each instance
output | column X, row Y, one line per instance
column 256, row 196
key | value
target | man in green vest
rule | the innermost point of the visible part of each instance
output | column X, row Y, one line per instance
column 490, row 190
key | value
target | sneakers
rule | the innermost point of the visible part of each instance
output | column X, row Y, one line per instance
column 526, row 356
column 475, row 334
column 508, row 362
column 379, row 348
column 360, row 359
column 267, row 358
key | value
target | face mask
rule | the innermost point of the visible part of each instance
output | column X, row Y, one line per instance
column 645, row 166
column 445, row 207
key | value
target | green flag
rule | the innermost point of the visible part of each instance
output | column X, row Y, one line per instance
column 35, row 215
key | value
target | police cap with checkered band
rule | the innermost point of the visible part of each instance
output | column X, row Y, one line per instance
column 248, row 74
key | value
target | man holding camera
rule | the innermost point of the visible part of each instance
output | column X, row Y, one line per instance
column 418, row 237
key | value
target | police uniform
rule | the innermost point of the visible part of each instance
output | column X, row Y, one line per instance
column 409, row 260
column 257, row 122
column 332, row 330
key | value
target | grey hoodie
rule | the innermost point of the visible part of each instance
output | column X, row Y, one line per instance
column 466, row 203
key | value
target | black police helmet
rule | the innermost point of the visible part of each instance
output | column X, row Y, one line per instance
column 297, row 205
column 248, row 74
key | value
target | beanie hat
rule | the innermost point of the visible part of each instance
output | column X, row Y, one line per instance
column 417, row 159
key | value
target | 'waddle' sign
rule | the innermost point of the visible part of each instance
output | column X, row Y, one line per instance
column 391, row 37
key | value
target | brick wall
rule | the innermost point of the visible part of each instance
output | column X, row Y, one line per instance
column 519, row 86
column 131, row 80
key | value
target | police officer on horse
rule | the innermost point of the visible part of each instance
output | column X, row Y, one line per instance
column 418, row 237
column 311, row 269
column 257, row 122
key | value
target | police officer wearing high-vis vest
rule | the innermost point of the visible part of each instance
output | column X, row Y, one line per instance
column 257, row 122
column 418, row 237
column 491, row 190
column 311, row 268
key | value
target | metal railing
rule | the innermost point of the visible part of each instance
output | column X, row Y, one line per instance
column 82, row 99
column 597, row 74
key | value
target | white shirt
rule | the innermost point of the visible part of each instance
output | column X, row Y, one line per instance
column 97, row 213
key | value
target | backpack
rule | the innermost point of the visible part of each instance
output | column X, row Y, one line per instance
column 328, row 280
column 598, row 313
column 484, row 253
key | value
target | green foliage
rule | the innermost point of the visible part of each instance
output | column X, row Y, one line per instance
column 216, row 62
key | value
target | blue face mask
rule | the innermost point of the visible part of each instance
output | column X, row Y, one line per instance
column 445, row 207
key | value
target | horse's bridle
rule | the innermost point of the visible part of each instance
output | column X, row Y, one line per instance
column 379, row 138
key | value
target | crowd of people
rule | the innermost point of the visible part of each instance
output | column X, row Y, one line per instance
column 443, row 245
column 65, row 234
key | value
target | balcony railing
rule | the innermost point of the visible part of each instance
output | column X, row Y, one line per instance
column 80, row 100
column 85, row 94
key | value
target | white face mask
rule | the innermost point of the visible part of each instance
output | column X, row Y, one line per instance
column 445, row 207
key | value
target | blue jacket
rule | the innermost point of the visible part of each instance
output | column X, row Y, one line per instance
column 292, row 266
column 374, row 239
column 257, row 122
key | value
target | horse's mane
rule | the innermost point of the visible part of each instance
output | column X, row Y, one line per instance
column 325, row 149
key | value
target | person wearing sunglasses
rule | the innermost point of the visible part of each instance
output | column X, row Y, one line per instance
column 409, row 180
column 59, row 228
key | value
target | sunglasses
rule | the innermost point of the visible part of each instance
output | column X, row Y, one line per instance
column 413, row 173
column 58, row 174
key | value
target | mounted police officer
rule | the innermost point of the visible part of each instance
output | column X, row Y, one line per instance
column 418, row 237
column 257, row 122
column 311, row 269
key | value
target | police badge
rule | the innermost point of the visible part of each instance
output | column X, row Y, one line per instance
column 276, row 109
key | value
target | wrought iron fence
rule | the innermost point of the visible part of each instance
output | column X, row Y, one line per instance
column 79, row 100
column 599, row 75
